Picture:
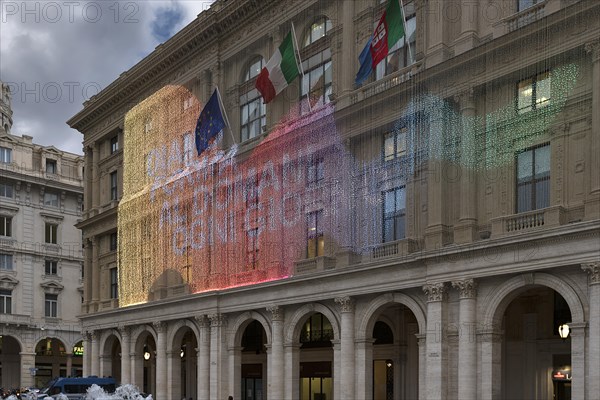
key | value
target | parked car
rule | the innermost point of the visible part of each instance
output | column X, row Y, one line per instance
column 75, row 388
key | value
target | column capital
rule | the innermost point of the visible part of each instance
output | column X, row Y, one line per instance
column 593, row 48
column 593, row 270
column 435, row 291
column 202, row 321
column 217, row 320
column 467, row 288
column 465, row 98
column 277, row 312
column 345, row 304
column 160, row 326
column 421, row 339
column 124, row 330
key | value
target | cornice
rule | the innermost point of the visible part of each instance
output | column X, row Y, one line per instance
column 211, row 25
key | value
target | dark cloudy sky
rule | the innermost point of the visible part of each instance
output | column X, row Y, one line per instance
column 57, row 54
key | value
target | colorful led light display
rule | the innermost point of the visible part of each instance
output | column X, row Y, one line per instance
column 191, row 224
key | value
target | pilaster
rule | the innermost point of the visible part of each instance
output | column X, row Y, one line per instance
column 125, row 332
column 218, row 382
column 436, row 346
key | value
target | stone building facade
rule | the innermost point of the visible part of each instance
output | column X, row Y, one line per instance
column 41, row 259
column 422, row 235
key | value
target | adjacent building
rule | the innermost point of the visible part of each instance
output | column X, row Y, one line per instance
column 420, row 236
column 41, row 259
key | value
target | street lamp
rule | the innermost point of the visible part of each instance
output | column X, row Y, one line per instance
column 563, row 331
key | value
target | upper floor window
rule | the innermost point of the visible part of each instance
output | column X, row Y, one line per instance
column 114, row 144
column 113, row 241
column 5, row 301
column 51, row 199
column 315, row 171
column 318, row 30
column 253, row 112
column 5, row 155
column 523, row 4
column 5, row 225
column 533, row 178
column 402, row 54
column 314, row 234
column 533, row 93
column 114, row 283
column 51, row 231
column 252, row 248
column 51, row 267
column 113, row 185
column 6, row 261
column 51, row 305
column 394, row 144
column 394, row 214
column 50, row 166
column 6, row 190
column 317, row 80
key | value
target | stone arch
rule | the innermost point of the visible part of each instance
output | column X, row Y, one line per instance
column 300, row 316
column 175, row 332
column 138, row 332
column 495, row 304
column 105, row 337
column 367, row 323
column 240, row 324
column 20, row 342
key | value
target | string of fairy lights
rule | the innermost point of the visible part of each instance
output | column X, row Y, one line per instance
column 220, row 220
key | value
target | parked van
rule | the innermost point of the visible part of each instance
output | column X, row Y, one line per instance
column 75, row 388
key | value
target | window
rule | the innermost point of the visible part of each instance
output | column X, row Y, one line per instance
column 317, row 80
column 51, row 199
column 402, row 54
column 317, row 330
column 51, row 267
column 253, row 112
column 533, row 179
column 5, row 301
column 394, row 144
column 51, row 231
column 5, row 226
column 6, row 190
column 6, row 261
column 533, row 93
column 394, row 214
column 114, row 144
column 252, row 248
column 524, row 4
column 315, row 171
column 114, row 283
column 5, row 155
column 113, row 185
column 50, row 166
column 315, row 239
column 113, row 241
column 51, row 303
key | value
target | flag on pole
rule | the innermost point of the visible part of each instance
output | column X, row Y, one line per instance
column 280, row 71
column 210, row 123
column 388, row 32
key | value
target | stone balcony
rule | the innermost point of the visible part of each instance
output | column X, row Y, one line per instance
column 529, row 221
column 385, row 83
column 15, row 319
column 398, row 248
column 315, row 264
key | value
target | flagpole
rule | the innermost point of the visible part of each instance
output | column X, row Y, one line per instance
column 301, row 68
column 225, row 114
column 406, row 31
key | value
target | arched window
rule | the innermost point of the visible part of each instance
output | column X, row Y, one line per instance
column 402, row 54
column 316, row 63
column 252, row 109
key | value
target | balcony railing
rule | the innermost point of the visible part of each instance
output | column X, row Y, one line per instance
column 398, row 248
column 520, row 19
column 528, row 221
column 15, row 319
column 314, row 265
column 385, row 83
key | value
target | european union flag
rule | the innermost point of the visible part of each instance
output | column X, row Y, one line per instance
column 366, row 63
column 210, row 123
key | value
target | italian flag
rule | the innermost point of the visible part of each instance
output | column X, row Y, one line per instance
column 389, row 30
column 279, row 72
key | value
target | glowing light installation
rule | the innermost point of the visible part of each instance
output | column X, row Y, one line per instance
column 190, row 224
